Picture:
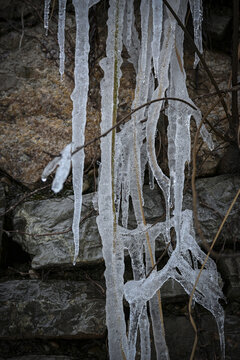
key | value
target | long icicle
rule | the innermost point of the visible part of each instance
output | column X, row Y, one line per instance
column 61, row 35
column 107, row 219
column 79, row 98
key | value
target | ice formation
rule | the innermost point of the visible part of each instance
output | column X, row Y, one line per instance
column 197, row 14
column 61, row 34
column 46, row 14
column 158, row 63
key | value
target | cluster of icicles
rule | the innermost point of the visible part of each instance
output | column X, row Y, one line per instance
column 158, row 62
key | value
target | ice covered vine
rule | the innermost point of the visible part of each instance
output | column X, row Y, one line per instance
column 158, row 62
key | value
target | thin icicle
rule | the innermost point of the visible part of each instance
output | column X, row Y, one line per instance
column 130, row 35
column 46, row 14
column 61, row 35
column 157, row 32
column 79, row 98
column 197, row 15
column 113, row 250
column 151, row 178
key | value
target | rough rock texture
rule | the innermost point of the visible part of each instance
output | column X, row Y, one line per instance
column 198, row 85
column 2, row 209
column 230, row 267
column 214, row 198
column 219, row 26
column 55, row 216
column 181, row 341
column 32, row 308
column 36, row 106
column 39, row 357
column 73, row 310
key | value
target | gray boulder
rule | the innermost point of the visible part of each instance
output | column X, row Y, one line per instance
column 63, row 309
column 53, row 217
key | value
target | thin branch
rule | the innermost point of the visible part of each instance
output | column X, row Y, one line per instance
column 200, row 57
column 223, row 91
column 158, row 260
column 24, row 198
column 8, row 232
column 128, row 116
column 218, row 133
column 22, row 34
column 48, row 234
column 96, row 284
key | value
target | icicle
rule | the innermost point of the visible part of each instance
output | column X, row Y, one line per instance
column 46, row 14
column 137, row 134
column 64, row 164
column 61, row 35
column 130, row 35
column 50, row 168
column 135, row 315
column 124, row 156
column 63, row 169
column 197, row 15
column 79, row 98
column 154, row 112
column 151, row 178
column 157, row 32
column 107, row 220
column 92, row 2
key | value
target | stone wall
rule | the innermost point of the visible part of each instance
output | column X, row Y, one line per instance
column 50, row 310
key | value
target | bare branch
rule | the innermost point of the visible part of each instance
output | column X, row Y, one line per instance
column 206, row 68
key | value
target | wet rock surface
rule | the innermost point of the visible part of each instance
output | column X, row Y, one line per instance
column 32, row 308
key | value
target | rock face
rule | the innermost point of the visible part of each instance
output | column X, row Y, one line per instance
column 72, row 309
column 214, row 198
column 55, row 216
column 39, row 357
column 36, row 106
column 31, row 308
column 2, row 209
column 230, row 266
